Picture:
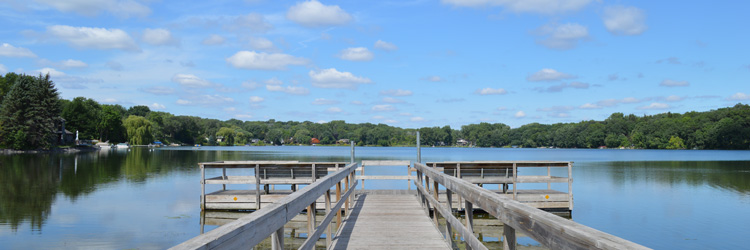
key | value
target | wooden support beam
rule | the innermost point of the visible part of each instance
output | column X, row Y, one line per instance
column 509, row 237
column 277, row 239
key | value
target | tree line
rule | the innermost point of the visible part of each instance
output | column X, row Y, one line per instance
column 31, row 112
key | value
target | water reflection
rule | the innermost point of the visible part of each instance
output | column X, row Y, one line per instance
column 727, row 175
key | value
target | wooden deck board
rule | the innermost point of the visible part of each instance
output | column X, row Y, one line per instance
column 393, row 221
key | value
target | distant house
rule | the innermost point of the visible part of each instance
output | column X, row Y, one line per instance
column 342, row 141
column 254, row 141
column 68, row 138
column 462, row 143
column 314, row 141
column 220, row 138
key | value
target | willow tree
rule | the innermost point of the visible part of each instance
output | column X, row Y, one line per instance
column 139, row 130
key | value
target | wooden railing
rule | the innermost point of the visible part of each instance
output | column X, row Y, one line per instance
column 549, row 230
column 250, row 230
column 407, row 177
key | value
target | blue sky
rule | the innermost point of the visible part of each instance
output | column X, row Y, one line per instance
column 404, row 63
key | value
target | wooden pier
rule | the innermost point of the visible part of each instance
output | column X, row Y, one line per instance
column 388, row 221
column 393, row 219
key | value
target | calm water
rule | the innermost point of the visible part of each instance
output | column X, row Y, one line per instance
column 147, row 199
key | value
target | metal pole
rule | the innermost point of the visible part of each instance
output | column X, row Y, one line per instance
column 352, row 145
column 419, row 149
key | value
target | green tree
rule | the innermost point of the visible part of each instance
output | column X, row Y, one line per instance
column 139, row 130
column 228, row 135
column 676, row 143
column 29, row 113
column 139, row 110
column 82, row 115
column 110, row 124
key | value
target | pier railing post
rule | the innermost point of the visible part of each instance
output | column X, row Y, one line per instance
column 203, row 187
column 277, row 239
column 419, row 149
column 469, row 213
column 338, row 198
column 435, row 212
column 329, row 236
column 448, row 229
column 352, row 158
column 509, row 237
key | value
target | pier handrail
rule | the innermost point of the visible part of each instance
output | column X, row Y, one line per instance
column 251, row 229
column 550, row 230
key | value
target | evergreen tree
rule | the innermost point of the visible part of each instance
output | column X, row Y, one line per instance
column 29, row 113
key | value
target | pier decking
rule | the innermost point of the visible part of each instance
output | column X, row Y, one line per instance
column 388, row 221
column 397, row 219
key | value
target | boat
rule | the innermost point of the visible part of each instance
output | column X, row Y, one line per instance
column 122, row 146
column 104, row 145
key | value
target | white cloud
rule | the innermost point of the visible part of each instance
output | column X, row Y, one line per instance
column 356, row 54
column 12, row 51
column 256, row 99
column 622, row 20
column 52, row 72
column 3, row 69
column 392, row 100
column 521, row 6
column 157, row 106
column 315, row 14
column 655, row 105
column 206, row 100
column 65, row 64
column 261, row 43
column 122, row 9
column 356, row 103
column 433, row 79
column 214, row 39
column 396, row 92
column 334, row 110
column 417, row 119
column 192, row 81
column 520, row 114
column 383, row 108
column 383, row 45
column 332, row 78
column 673, row 83
column 288, row 89
column 562, row 86
column 183, row 102
column 378, row 117
column 323, row 101
column 158, row 37
column 490, row 91
column 159, row 90
column 70, row 64
column 631, row 100
column 264, row 61
column 251, row 22
column 562, row 37
column 589, row 106
column 548, row 75
column 274, row 81
column 739, row 96
column 243, row 116
column 94, row 38
column 251, row 85
column 673, row 98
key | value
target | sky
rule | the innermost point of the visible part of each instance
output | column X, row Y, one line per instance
column 408, row 64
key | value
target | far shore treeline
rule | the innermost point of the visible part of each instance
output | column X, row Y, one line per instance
column 31, row 112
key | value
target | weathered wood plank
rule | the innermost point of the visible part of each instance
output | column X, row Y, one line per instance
column 547, row 229
column 388, row 222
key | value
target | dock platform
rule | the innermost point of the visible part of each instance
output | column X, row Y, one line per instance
column 388, row 221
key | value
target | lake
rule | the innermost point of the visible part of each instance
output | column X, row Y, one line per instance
column 149, row 199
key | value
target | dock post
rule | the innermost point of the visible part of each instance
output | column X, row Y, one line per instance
column 469, row 213
column 329, row 237
column 203, row 187
column 277, row 239
column 448, row 229
column 509, row 237
column 419, row 149
column 352, row 146
column 257, row 187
